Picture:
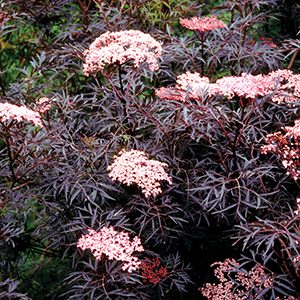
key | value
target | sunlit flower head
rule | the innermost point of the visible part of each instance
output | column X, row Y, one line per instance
column 19, row 113
column 116, row 245
column 135, row 168
column 120, row 47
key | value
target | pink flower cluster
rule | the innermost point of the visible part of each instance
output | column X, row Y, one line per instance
column 19, row 113
column 247, row 86
column 188, row 86
column 44, row 104
column 287, row 146
column 114, row 244
column 287, row 85
column 193, row 84
column 246, row 285
column 202, row 24
column 120, row 47
column 283, row 85
column 134, row 167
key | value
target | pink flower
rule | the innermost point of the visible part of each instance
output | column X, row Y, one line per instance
column 44, row 104
column 287, row 85
column 282, row 85
column 287, row 147
column 114, row 244
column 134, row 167
column 120, row 47
column 188, row 86
column 245, row 285
column 170, row 93
column 202, row 24
column 19, row 113
column 247, row 86
column 192, row 83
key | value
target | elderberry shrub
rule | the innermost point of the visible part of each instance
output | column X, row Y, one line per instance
column 148, row 150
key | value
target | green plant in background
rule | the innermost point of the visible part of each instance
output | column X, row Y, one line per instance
column 167, row 13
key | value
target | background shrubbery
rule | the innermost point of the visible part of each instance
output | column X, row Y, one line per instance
column 226, row 200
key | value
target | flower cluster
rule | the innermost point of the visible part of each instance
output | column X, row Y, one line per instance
column 188, row 86
column 115, row 245
column 245, row 285
column 120, row 47
column 282, row 84
column 193, row 84
column 134, row 167
column 247, row 86
column 287, row 146
column 44, row 104
column 19, row 113
column 202, row 24
column 152, row 271
column 288, row 90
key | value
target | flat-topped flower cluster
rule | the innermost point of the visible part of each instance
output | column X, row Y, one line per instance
column 202, row 24
column 19, row 113
column 281, row 85
column 114, row 244
column 120, row 47
column 134, row 167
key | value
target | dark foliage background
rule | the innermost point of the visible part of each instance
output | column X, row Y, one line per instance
column 226, row 200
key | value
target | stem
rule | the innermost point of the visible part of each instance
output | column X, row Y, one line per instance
column 85, row 11
column 238, row 133
column 202, row 53
column 120, row 95
column 120, row 79
column 2, row 84
column 293, row 59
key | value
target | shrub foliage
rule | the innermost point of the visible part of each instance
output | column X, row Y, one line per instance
column 149, row 150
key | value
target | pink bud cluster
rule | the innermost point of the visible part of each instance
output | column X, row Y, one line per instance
column 114, row 244
column 120, row 47
column 282, row 85
column 268, row 41
column 152, row 271
column 287, row 146
column 202, row 24
column 19, row 113
column 134, row 167
column 244, row 286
